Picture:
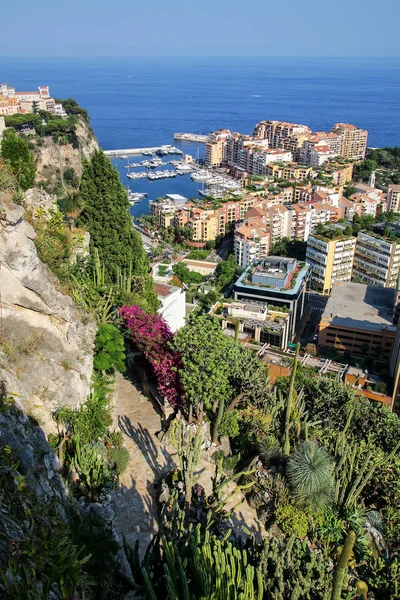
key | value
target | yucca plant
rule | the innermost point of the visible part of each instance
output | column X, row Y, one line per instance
column 309, row 472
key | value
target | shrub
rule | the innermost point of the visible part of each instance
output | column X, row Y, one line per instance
column 109, row 348
column 229, row 425
column 292, row 520
column 118, row 459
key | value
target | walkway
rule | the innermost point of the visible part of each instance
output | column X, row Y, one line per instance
column 150, row 460
column 134, row 415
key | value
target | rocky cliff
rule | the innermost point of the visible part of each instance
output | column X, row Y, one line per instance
column 53, row 158
column 46, row 349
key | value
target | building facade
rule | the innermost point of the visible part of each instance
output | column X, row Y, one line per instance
column 377, row 260
column 393, row 198
column 278, row 281
column 331, row 261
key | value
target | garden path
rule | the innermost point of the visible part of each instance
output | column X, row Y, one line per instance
column 151, row 459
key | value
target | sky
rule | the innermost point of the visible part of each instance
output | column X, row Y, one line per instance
column 200, row 28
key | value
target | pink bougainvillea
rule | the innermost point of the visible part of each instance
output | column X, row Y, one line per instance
column 153, row 337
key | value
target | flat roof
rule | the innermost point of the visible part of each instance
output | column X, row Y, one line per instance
column 360, row 306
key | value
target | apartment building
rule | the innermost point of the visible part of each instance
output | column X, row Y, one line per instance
column 280, row 132
column 205, row 222
column 290, row 171
column 319, row 154
column 331, row 260
column 393, row 198
column 368, row 205
column 216, row 148
column 353, row 140
column 165, row 209
column 358, row 319
column 305, row 217
column 348, row 208
column 251, row 242
column 377, row 260
column 280, row 222
column 258, row 321
column 277, row 281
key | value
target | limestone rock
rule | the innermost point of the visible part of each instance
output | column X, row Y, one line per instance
column 46, row 350
column 37, row 199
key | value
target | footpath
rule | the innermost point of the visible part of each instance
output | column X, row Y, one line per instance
column 150, row 460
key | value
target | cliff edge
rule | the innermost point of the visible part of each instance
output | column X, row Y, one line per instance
column 46, row 351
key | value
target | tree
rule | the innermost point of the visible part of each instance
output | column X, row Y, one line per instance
column 225, row 272
column 182, row 271
column 348, row 230
column 204, row 371
column 109, row 349
column 106, row 215
column 15, row 151
column 309, row 471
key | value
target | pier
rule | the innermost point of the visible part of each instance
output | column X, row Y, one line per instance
column 191, row 137
column 164, row 149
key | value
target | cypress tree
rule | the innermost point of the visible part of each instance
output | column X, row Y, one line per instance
column 106, row 215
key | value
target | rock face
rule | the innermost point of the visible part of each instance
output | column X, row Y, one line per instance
column 46, row 350
column 53, row 158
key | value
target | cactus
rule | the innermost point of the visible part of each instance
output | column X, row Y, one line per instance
column 99, row 270
column 341, row 566
column 289, row 402
column 189, row 448
column 215, row 569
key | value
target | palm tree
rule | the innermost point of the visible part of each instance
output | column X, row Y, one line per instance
column 309, row 472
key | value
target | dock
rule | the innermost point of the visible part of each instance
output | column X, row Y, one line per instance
column 165, row 148
column 191, row 137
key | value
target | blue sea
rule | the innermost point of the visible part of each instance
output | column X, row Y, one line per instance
column 138, row 102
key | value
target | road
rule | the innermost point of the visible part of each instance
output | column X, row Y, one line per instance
column 317, row 305
column 146, row 239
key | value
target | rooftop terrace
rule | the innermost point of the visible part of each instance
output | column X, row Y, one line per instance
column 360, row 306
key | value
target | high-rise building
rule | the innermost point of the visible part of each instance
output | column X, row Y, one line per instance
column 251, row 241
column 377, row 260
column 216, row 148
column 353, row 140
column 331, row 260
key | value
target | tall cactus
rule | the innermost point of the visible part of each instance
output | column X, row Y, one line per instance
column 99, row 270
column 289, row 403
column 215, row 568
column 341, row 566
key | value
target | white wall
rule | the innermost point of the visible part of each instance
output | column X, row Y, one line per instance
column 173, row 309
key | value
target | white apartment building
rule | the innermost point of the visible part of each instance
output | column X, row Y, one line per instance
column 319, row 154
column 377, row 260
column 331, row 260
column 280, row 222
column 251, row 242
column 393, row 198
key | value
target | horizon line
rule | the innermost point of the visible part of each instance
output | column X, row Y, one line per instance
column 164, row 56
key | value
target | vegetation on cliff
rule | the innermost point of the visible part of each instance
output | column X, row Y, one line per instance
column 15, row 152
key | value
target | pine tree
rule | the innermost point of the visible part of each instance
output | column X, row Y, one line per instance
column 106, row 215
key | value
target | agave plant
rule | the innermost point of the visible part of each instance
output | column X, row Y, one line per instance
column 309, row 472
